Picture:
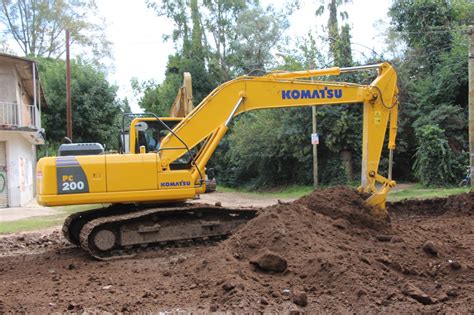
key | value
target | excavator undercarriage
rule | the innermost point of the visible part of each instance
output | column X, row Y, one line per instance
column 123, row 230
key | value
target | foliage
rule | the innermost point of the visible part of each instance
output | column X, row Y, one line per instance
column 433, row 82
column 433, row 157
column 258, row 31
column 38, row 26
column 95, row 110
column 242, row 34
column 149, row 98
column 267, row 148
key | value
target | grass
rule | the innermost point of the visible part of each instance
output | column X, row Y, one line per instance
column 414, row 191
column 419, row 192
column 43, row 222
column 286, row 192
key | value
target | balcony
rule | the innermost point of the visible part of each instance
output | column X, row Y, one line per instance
column 15, row 116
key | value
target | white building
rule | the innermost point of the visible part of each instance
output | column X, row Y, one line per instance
column 21, row 98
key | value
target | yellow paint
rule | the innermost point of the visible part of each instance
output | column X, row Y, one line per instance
column 129, row 172
column 171, row 195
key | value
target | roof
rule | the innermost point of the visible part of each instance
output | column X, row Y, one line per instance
column 24, row 67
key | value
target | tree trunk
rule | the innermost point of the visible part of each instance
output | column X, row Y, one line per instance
column 346, row 157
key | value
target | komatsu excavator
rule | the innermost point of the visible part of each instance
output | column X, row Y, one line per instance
column 147, row 190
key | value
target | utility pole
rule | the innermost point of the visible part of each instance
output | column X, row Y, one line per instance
column 315, row 149
column 68, row 89
column 471, row 103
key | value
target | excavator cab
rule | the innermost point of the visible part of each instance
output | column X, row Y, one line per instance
column 148, row 132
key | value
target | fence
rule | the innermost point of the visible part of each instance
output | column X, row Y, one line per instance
column 19, row 115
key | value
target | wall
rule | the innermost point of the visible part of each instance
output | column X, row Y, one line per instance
column 8, row 90
column 21, row 157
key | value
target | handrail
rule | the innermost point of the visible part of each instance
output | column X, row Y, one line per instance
column 19, row 115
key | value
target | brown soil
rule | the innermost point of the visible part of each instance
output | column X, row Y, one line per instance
column 328, row 255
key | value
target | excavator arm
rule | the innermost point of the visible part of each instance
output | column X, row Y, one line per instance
column 209, row 121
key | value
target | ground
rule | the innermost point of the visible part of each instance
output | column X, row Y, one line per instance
column 337, row 258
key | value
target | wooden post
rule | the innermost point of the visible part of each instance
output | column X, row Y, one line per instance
column 315, row 149
column 68, row 90
column 471, row 103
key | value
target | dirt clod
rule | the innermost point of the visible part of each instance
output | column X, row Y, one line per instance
column 417, row 294
column 263, row 301
column 384, row 238
column 269, row 261
column 300, row 298
column 430, row 248
column 228, row 286
column 455, row 265
column 71, row 266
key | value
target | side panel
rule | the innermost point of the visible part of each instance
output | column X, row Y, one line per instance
column 125, row 178
column 131, row 172
column 71, row 175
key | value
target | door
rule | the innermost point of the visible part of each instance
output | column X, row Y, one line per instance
column 3, row 176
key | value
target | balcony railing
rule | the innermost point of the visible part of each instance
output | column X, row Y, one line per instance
column 13, row 115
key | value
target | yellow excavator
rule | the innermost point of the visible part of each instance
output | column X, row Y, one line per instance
column 147, row 190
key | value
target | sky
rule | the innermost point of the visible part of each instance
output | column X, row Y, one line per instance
column 140, row 51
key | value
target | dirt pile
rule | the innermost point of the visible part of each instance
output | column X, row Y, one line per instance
column 323, row 253
column 338, row 256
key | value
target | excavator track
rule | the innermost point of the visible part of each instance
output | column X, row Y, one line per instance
column 75, row 222
column 123, row 235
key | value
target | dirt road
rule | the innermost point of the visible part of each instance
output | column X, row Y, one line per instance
column 319, row 254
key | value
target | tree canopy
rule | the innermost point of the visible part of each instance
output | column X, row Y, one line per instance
column 38, row 26
column 96, row 110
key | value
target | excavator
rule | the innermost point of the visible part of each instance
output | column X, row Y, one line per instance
column 147, row 191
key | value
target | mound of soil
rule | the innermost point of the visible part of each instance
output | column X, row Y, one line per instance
column 323, row 253
column 338, row 255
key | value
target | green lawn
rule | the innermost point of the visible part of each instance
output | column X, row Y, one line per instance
column 420, row 192
column 43, row 222
column 287, row 192
column 414, row 191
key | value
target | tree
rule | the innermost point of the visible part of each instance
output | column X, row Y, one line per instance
column 433, row 165
column 149, row 97
column 95, row 109
column 38, row 26
column 193, row 57
column 433, row 83
column 258, row 31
